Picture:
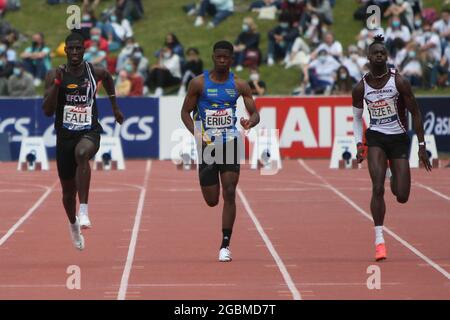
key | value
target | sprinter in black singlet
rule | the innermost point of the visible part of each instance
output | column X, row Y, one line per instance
column 70, row 94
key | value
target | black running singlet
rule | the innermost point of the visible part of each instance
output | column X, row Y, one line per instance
column 76, row 112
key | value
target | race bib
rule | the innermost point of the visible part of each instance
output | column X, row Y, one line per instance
column 219, row 119
column 77, row 118
column 382, row 112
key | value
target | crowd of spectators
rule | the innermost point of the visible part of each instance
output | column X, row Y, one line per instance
column 302, row 37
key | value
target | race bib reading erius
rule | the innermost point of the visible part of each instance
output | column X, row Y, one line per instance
column 382, row 112
column 77, row 118
column 218, row 119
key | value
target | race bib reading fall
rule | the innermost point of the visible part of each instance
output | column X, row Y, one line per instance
column 77, row 118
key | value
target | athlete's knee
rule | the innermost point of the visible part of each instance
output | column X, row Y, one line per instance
column 229, row 193
column 378, row 190
column 212, row 202
column 82, row 155
column 402, row 198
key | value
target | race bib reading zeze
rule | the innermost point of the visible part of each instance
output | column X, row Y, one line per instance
column 219, row 119
column 77, row 118
column 382, row 112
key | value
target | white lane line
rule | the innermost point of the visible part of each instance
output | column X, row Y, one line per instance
column 432, row 191
column 368, row 216
column 30, row 211
column 132, row 247
column 284, row 272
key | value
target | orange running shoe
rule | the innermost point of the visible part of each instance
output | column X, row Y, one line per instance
column 380, row 252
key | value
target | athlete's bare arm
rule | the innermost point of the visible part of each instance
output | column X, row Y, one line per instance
column 404, row 88
column 51, row 91
column 103, row 75
column 246, row 92
column 190, row 102
column 358, row 102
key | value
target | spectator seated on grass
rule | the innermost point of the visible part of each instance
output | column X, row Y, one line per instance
column 218, row 9
column 95, row 35
column 281, row 39
column 442, row 27
column 344, row 82
column 295, row 10
column 20, row 83
column 123, row 84
column 246, row 46
column 256, row 84
column 166, row 73
column 173, row 43
column 116, row 30
column 6, row 69
column 394, row 31
column 354, row 62
column 137, row 81
column 332, row 46
column 192, row 68
column 300, row 54
column 404, row 10
column 431, row 54
column 320, row 76
column 36, row 58
column 95, row 55
column 411, row 67
column 126, row 52
column 88, row 22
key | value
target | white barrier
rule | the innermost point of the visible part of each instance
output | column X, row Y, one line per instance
column 33, row 155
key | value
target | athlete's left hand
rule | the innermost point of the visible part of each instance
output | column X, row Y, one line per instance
column 246, row 124
column 423, row 156
column 118, row 115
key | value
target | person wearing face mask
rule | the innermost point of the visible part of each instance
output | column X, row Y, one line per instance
column 126, row 52
column 411, row 67
column 96, row 56
column 257, row 86
column 218, row 9
column 354, row 63
column 404, row 10
column 344, row 83
column 396, row 31
column 281, row 39
column 95, row 35
column 88, row 21
column 166, row 73
column 430, row 49
column 36, row 58
column 442, row 28
column 247, row 44
column 123, row 84
column 20, row 83
column 138, row 58
column 319, row 76
column 117, row 29
column 137, row 82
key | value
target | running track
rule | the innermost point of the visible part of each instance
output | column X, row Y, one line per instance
column 303, row 233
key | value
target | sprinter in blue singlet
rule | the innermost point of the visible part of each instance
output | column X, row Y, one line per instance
column 212, row 97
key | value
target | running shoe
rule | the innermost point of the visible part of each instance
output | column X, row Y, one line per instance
column 85, row 223
column 77, row 237
column 380, row 252
column 225, row 255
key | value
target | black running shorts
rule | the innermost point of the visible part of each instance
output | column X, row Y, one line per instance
column 210, row 166
column 396, row 146
column 65, row 153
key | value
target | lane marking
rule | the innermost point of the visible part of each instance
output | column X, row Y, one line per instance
column 432, row 191
column 30, row 211
column 134, row 235
column 368, row 216
column 283, row 270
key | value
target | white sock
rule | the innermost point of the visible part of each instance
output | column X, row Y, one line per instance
column 83, row 208
column 379, row 235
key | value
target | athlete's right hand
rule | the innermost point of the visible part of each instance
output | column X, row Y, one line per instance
column 360, row 153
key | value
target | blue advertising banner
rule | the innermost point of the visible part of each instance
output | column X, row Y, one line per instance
column 436, row 120
column 139, row 132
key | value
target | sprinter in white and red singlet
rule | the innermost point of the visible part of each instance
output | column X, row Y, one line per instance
column 388, row 97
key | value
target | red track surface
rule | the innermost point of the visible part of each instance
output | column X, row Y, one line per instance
column 323, row 241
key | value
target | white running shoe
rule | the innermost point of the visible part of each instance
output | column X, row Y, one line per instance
column 77, row 237
column 85, row 223
column 225, row 255
column 199, row 22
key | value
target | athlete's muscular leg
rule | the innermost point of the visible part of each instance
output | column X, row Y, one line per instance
column 401, row 179
column 377, row 168
column 69, row 199
column 84, row 151
column 211, row 194
column 229, row 183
